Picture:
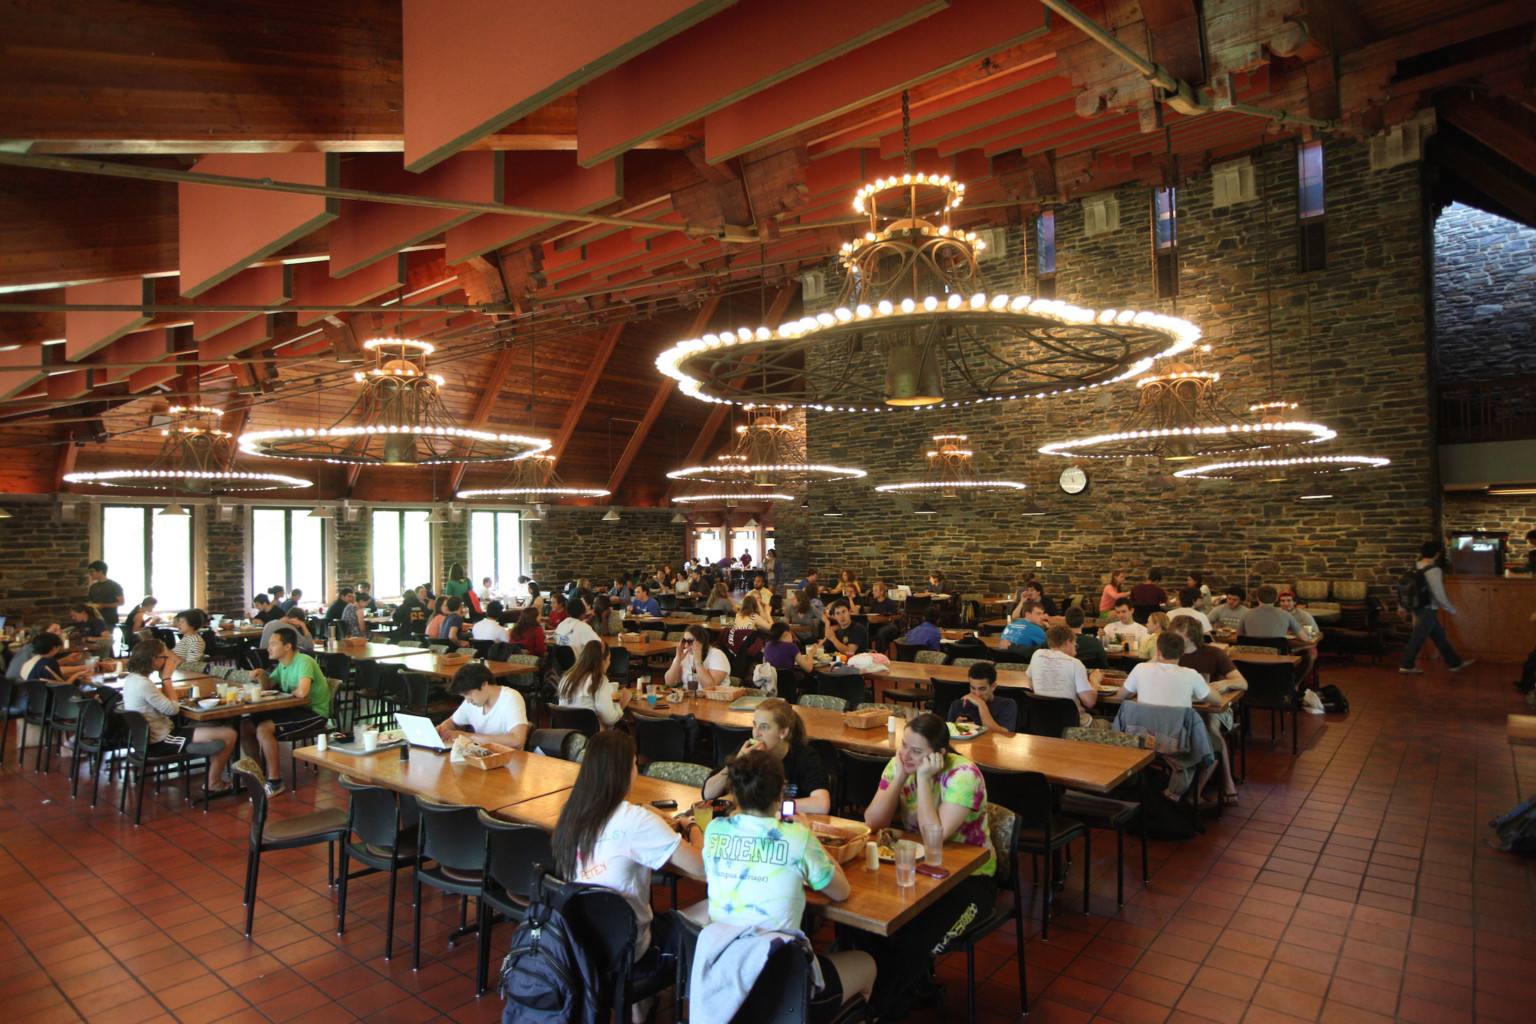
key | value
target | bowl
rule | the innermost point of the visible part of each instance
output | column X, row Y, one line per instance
column 209, row 702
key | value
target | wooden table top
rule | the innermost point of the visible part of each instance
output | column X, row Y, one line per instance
column 544, row 811
column 231, row 633
column 222, row 711
column 374, row 651
column 996, row 642
column 431, row 664
column 642, row 648
column 877, row 904
column 909, row 673
column 526, row 776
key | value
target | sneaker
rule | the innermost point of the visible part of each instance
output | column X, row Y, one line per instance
column 1411, row 671
column 1465, row 662
column 274, row 787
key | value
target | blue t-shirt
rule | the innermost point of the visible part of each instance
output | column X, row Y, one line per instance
column 1023, row 633
column 46, row 668
column 450, row 622
column 1005, row 712
column 926, row 633
column 647, row 607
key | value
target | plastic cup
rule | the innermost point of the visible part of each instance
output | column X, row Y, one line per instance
column 370, row 740
column 651, row 699
column 906, row 863
column 933, row 845
column 703, row 813
column 322, row 742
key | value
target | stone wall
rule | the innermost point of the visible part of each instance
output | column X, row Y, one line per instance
column 1350, row 344
column 1485, row 296
column 227, row 590
column 573, row 542
column 354, row 552
column 42, row 562
column 1476, row 511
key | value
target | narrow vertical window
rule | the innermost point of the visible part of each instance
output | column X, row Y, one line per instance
column 1045, row 247
column 1312, row 235
column 1165, row 241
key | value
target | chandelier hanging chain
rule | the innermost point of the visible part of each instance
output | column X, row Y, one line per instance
column 906, row 132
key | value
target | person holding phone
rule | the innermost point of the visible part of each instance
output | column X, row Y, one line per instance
column 777, row 728
column 697, row 664
column 927, row 783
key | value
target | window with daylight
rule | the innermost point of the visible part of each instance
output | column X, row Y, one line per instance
column 1165, row 241
column 288, row 547
column 402, row 551
column 148, row 555
column 708, row 545
column 748, row 541
column 496, row 548
column 1045, row 261
column 1312, row 245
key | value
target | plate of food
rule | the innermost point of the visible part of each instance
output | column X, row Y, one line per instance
column 209, row 702
column 885, row 842
column 965, row 730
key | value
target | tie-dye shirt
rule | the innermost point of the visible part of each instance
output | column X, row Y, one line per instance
column 959, row 783
column 757, row 869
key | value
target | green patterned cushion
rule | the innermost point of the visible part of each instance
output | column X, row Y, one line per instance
column 1000, row 825
column 1106, row 736
column 822, row 700
column 929, row 657
column 678, row 771
column 968, row 662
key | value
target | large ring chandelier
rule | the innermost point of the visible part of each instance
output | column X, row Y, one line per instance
column 1181, row 416
column 397, row 420
column 769, row 453
column 195, row 458
column 914, row 326
column 951, row 473
column 534, row 479
column 1281, row 463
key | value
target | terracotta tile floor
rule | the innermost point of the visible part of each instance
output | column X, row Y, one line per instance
column 1351, row 885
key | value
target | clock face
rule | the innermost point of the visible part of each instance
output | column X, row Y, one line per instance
column 1073, row 480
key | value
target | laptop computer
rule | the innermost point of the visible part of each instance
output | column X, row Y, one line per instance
column 420, row 732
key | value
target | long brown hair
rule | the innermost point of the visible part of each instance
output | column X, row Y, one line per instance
column 527, row 621
column 601, row 786
column 786, row 717
column 587, row 674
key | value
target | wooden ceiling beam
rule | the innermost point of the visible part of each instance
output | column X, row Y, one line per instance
column 583, row 395
column 1503, row 127
column 490, row 392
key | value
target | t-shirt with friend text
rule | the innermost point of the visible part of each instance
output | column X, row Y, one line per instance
column 757, row 870
column 634, row 841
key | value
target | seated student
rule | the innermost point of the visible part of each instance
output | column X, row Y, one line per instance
column 1031, row 591
column 757, row 867
column 1229, row 614
column 1189, row 597
column 344, row 597
column 266, row 611
column 777, row 728
column 1055, row 671
column 1300, row 614
column 781, row 651
column 761, row 591
column 1196, row 581
column 439, row 613
column 364, row 594
column 1157, row 622
column 88, row 625
column 841, row 635
column 1216, row 668
column 601, row 838
column 189, row 644
column 1123, row 629
column 643, row 603
column 22, row 656
column 560, row 609
column 927, row 783
column 1028, row 630
column 528, row 633
column 353, row 620
column 620, row 591
column 452, row 628
column 293, row 621
column 1268, row 620
column 752, row 615
column 810, row 580
column 848, row 586
column 1164, row 682
column 410, row 618
column 157, row 703
column 1114, row 590
column 490, row 627
column 484, row 591
column 573, row 630
column 141, row 617
column 489, row 712
column 697, row 663
column 1150, row 593
column 720, row 600
column 605, row 619
column 880, row 602
column 587, row 685
column 44, row 662
column 295, row 673
column 983, row 706
column 1090, row 649
column 805, row 608
column 926, row 632
column 281, row 599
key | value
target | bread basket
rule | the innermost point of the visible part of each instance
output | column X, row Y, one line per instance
column 869, row 718
column 725, row 693
column 842, row 838
column 498, row 757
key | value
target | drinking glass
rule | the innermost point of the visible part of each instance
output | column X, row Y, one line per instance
column 906, row 863
column 703, row 813
column 933, row 845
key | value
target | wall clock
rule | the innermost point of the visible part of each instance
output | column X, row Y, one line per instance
column 1074, row 480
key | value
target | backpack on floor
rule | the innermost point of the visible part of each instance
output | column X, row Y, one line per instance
column 1515, row 831
column 1334, row 701
column 548, row 976
column 1413, row 590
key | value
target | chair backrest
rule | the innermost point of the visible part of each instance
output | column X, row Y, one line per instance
column 334, row 664
column 1269, row 685
column 566, row 744
column 1108, row 737
column 254, row 785
column 512, row 852
column 1142, row 612
column 414, row 688
column 583, row 720
column 618, row 664
column 376, row 815
column 10, row 690
column 483, row 648
column 782, row 992
column 660, row 737
column 728, row 739
column 849, row 688
column 452, row 836
column 1027, row 794
column 908, row 652
column 1003, row 827
column 860, row 774
column 1048, row 716
column 1349, row 590
column 601, row 920
column 683, row 772
column 92, row 720
column 826, row 753
column 1278, row 644
column 565, row 658
column 39, row 697
column 822, row 700
column 916, row 606
column 1311, row 590
column 65, row 709
column 927, row 657
column 945, row 693
column 138, row 733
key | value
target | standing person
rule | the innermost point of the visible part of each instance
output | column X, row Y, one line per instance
column 104, row 595
column 771, row 568
column 697, row 663
column 1113, row 590
column 157, row 703
column 1150, row 594
column 927, row 783
column 295, row 673
column 528, row 633
column 1426, row 616
column 587, row 685
column 458, row 584
column 490, row 711
column 778, row 729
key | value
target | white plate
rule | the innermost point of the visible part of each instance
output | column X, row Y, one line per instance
column 209, row 702
column 980, row 731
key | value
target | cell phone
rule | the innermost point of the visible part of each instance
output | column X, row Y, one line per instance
column 664, row 805
column 787, row 809
column 932, row 872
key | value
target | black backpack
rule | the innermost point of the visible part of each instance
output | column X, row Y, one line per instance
column 548, row 976
column 1515, row 831
column 1334, row 701
column 1413, row 590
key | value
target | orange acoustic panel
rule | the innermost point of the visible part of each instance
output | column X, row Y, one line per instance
column 367, row 232
column 223, row 230
column 237, row 339
column 313, row 285
column 966, row 32
column 738, row 52
column 258, row 286
column 474, row 66
column 17, row 371
column 86, row 331
column 546, row 181
column 148, row 346
column 71, row 384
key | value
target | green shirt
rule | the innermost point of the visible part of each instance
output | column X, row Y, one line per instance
column 456, row 588
column 1090, row 651
column 287, row 679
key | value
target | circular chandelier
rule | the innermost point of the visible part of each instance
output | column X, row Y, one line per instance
column 1181, row 416
column 534, row 479
column 397, row 420
column 193, row 459
column 914, row 326
column 950, row 473
column 1281, row 463
column 769, row 453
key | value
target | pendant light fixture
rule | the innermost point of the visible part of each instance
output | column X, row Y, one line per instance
column 769, row 454
column 174, row 509
column 951, row 474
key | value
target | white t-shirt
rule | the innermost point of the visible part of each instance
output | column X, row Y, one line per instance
column 602, row 701
column 633, row 843
column 1194, row 613
column 145, row 697
column 489, row 629
column 572, row 632
column 1167, row 685
column 506, row 714
column 716, row 661
column 1135, row 631
column 1057, row 674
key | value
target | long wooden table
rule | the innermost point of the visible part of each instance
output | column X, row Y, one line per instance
column 219, row 712
column 430, row 664
column 911, row 673
column 373, row 651
column 642, row 648
column 526, row 777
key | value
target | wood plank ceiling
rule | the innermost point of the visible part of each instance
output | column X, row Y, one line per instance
column 720, row 141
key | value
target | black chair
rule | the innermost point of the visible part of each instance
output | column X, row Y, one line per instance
column 727, row 739
column 666, row 602
column 338, row 670
column 618, row 665
column 566, row 744
column 564, row 657
column 1105, row 813
column 967, row 649
column 826, row 753
column 1272, row 688
column 453, row 841
column 328, row 826
column 859, row 778
column 908, row 652
column 1142, row 612
column 603, row 922
column 915, row 607
column 416, row 697
column 661, row 737
column 1358, row 628
column 63, row 715
column 139, row 764
column 1278, row 644
column 1007, row 878
column 511, row 853
column 372, row 687
column 1048, row 716
column 37, row 712
column 386, row 826
column 583, row 720
column 1043, row 832
column 93, row 739
column 945, row 693
column 483, row 648
column 13, row 704
column 847, row 686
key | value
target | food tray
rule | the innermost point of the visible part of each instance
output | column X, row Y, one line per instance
column 746, row 703
column 725, row 693
column 869, row 718
column 498, row 758
column 842, row 838
column 454, row 659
